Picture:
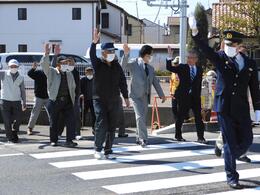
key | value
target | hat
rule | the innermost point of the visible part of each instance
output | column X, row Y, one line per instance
column 13, row 62
column 108, row 46
column 231, row 36
column 211, row 73
column 61, row 58
column 88, row 68
column 176, row 60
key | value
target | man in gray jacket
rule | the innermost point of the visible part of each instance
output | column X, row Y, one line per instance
column 142, row 78
column 61, row 90
column 12, row 92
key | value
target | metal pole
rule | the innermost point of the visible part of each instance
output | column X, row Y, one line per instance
column 183, row 30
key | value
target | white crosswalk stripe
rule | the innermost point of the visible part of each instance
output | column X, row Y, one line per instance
column 167, row 158
column 251, row 191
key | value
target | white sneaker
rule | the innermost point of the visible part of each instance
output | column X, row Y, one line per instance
column 79, row 137
column 110, row 157
column 98, row 155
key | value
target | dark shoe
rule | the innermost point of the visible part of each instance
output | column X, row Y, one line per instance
column 70, row 144
column 244, row 159
column 202, row 141
column 54, row 144
column 180, row 139
column 218, row 151
column 137, row 141
column 143, row 143
column 123, row 135
column 93, row 132
column 235, row 185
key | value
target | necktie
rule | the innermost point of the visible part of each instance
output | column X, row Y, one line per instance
column 235, row 62
column 146, row 69
column 192, row 73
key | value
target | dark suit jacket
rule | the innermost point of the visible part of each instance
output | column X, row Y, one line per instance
column 182, row 91
column 232, row 85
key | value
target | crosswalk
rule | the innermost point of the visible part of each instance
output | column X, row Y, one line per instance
column 154, row 168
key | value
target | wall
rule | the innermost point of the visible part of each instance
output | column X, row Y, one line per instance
column 46, row 22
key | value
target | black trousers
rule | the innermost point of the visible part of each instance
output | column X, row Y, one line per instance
column 121, row 118
column 88, row 106
column 185, row 104
column 65, row 106
column 12, row 117
column 106, row 122
column 61, row 122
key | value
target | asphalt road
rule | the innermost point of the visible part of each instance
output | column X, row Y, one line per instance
column 165, row 167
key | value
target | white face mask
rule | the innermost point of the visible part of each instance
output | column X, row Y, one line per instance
column 230, row 51
column 64, row 68
column 151, row 59
column 110, row 57
column 13, row 70
column 70, row 68
column 90, row 77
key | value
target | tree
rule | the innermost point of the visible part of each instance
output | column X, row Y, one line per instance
column 242, row 16
column 202, row 24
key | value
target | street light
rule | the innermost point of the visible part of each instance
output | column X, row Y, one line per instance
column 182, row 9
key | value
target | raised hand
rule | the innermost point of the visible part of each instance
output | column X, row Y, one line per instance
column 193, row 25
column 34, row 65
column 57, row 49
column 126, row 49
column 170, row 51
column 47, row 49
column 96, row 36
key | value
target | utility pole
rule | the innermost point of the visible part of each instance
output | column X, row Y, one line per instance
column 181, row 8
column 183, row 30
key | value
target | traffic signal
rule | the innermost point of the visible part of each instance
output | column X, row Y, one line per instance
column 103, row 4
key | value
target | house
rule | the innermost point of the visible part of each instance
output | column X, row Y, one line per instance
column 27, row 25
column 153, row 33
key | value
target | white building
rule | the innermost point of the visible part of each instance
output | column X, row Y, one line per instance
column 27, row 25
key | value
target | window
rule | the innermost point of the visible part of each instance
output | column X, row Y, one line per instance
column 105, row 20
column 76, row 13
column 22, row 14
column 22, row 48
column 129, row 29
column 2, row 48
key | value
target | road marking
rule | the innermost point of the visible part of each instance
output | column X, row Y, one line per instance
column 71, row 153
column 15, row 154
column 160, row 184
column 149, row 169
column 133, row 158
column 251, row 191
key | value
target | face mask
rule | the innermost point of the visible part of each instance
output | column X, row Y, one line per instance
column 14, row 70
column 151, row 59
column 70, row 68
column 90, row 77
column 230, row 51
column 64, row 68
column 110, row 57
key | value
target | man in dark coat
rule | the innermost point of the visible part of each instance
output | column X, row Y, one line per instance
column 188, row 93
column 236, row 72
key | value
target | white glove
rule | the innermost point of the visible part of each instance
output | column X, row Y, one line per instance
column 193, row 25
column 257, row 116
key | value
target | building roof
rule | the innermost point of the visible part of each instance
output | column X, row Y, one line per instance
column 47, row 1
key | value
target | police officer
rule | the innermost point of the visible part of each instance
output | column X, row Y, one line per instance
column 236, row 72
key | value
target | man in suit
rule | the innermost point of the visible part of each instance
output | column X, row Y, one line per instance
column 142, row 78
column 188, row 93
column 236, row 72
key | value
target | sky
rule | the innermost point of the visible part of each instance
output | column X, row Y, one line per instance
column 144, row 11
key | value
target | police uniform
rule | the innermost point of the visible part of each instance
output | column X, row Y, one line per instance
column 235, row 75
